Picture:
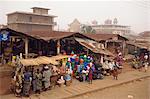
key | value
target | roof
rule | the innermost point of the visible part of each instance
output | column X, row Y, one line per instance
column 44, row 35
column 30, row 13
column 89, row 44
column 55, row 35
column 107, row 25
column 40, row 8
column 140, row 45
column 75, row 21
column 50, row 35
column 145, row 34
column 99, row 37
column 43, row 60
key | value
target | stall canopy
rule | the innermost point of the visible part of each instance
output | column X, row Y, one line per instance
column 140, row 45
column 93, row 46
column 43, row 60
column 28, row 62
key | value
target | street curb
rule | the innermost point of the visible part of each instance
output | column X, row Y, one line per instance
column 94, row 90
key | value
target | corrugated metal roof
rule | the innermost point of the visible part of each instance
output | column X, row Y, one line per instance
column 89, row 44
column 44, row 35
column 99, row 37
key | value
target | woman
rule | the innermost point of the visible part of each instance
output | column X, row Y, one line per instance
column 46, row 77
column 18, row 78
column 27, row 82
column 38, row 80
column 90, row 75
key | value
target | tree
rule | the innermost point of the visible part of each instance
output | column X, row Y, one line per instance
column 87, row 29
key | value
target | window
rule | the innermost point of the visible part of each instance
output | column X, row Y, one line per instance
column 30, row 19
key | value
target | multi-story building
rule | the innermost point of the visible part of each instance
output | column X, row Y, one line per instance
column 38, row 20
column 110, row 28
column 3, row 26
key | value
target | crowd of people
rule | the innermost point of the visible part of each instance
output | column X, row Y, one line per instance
column 140, row 61
column 26, row 79
column 82, row 67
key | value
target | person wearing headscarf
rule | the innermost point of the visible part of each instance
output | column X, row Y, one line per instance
column 38, row 79
column 18, row 79
column 46, row 77
column 27, row 82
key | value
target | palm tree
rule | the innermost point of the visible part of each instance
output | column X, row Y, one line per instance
column 87, row 29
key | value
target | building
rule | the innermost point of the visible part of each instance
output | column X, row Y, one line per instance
column 111, row 28
column 38, row 20
column 74, row 26
column 3, row 26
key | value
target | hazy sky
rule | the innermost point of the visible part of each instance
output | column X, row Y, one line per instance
column 132, row 13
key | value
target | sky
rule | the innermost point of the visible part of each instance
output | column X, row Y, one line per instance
column 131, row 13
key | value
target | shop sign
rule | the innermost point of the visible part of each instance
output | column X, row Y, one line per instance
column 4, row 35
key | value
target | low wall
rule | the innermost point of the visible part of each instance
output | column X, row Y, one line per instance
column 5, row 79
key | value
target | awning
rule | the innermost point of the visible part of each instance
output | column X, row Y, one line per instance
column 28, row 62
column 91, row 45
column 140, row 45
column 43, row 60
column 59, row 57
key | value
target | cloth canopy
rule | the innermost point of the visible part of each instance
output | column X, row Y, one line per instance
column 43, row 60
column 28, row 62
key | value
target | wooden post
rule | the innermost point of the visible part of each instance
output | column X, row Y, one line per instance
column 123, row 48
column 58, row 46
column 105, row 44
column 87, row 52
column 26, row 47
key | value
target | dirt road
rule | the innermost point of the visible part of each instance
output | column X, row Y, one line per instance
column 136, row 90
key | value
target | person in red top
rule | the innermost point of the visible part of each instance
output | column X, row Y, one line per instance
column 90, row 74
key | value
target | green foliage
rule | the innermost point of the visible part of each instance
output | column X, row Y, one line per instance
column 87, row 29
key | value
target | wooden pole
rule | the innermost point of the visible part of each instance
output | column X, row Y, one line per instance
column 105, row 44
column 26, row 47
column 58, row 46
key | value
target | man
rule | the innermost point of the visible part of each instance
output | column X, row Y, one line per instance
column 46, row 77
column 27, row 82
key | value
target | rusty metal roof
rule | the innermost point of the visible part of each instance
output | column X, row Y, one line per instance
column 99, row 37
column 55, row 35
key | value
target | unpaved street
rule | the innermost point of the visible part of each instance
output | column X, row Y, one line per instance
column 136, row 90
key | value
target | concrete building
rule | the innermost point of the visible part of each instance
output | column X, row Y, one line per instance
column 3, row 26
column 38, row 20
column 111, row 27
column 75, row 26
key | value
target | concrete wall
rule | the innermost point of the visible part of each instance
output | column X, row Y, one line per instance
column 34, row 19
column 29, row 23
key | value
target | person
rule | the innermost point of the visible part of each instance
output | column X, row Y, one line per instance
column 61, row 81
column 106, row 68
column 34, row 80
column 27, row 82
column 84, row 74
column 68, row 77
column 111, row 66
column 38, row 80
column 90, row 74
column 46, row 77
column 18, row 79
column 115, row 73
column 145, row 62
